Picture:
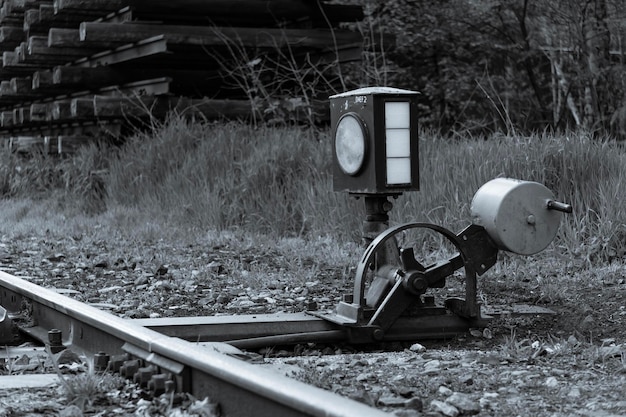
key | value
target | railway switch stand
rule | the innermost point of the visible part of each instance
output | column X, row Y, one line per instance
column 396, row 294
column 375, row 145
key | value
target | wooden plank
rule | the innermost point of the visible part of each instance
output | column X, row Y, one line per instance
column 10, row 36
column 42, row 80
column 146, row 48
column 62, row 38
column 45, row 19
column 82, row 108
column 19, row 6
column 38, row 45
column 21, row 115
column 230, row 12
column 67, row 144
column 26, row 144
column 112, row 34
column 39, row 112
column 22, row 86
column 6, row 118
column 187, row 82
column 61, row 110
column 12, row 65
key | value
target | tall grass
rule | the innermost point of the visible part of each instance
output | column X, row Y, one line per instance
column 277, row 181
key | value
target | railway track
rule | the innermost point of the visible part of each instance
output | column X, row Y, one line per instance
column 159, row 361
column 389, row 302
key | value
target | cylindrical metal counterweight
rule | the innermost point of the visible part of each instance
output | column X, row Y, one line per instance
column 519, row 216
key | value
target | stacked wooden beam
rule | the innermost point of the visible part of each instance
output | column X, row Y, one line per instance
column 77, row 68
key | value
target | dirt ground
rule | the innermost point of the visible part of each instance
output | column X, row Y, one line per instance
column 569, row 363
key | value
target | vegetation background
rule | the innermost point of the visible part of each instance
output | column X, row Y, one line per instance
column 515, row 88
column 509, row 65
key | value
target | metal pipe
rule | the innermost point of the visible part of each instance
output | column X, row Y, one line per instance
column 289, row 339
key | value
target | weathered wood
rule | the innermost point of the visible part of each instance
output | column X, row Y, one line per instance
column 26, row 144
column 230, row 12
column 38, row 45
column 61, row 110
column 22, row 86
column 62, row 38
column 6, row 118
column 151, row 47
column 5, row 88
column 42, row 79
column 82, row 108
column 10, row 36
column 21, row 115
column 42, row 19
column 51, row 144
column 10, row 61
column 19, row 6
column 111, row 34
column 186, row 82
column 39, row 112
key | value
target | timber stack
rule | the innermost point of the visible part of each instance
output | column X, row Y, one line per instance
column 76, row 70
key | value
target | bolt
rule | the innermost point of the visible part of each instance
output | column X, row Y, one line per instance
column 101, row 361
column 143, row 375
column 311, row 305
column 116, row 362
column 378, row 334
column 129, row 368
column 55, row 338
column 387, row 206
column 156, row 384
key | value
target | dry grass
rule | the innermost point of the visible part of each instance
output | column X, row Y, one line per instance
column 199, row 177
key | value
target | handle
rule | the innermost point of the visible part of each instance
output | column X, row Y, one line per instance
column 555, row 205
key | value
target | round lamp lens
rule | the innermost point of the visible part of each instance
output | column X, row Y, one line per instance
column 350, row 144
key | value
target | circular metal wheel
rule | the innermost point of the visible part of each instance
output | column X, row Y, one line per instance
column 408, row 266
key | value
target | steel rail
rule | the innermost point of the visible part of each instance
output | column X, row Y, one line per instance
column 238, row 387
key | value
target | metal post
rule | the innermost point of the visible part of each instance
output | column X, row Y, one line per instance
column 376, row 221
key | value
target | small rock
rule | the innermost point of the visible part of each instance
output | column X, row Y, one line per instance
column 161, row 270
column 418, row 348
column 551, row 382
column 141, row 280
column 57, row 257
column 71, row 411
column 444, row 408
column 362, row 396
column 407, row 413
column 587, row 323
column 467, row 380
column 464, row 403
column 364, row 376
column 574, row 393
column 476, row 332
column 414, row 404
column 101, row 264
column 66, row 357
column 391, row 401
column 488, row 400
column 445, row 391
column 214, row 267
column 405, row 391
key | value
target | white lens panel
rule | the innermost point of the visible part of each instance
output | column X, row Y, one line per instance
column 398, row 143
column 350, row 144
column 398, row 171
column 397, row 115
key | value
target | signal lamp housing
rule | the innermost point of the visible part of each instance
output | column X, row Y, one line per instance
column 375, row 141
